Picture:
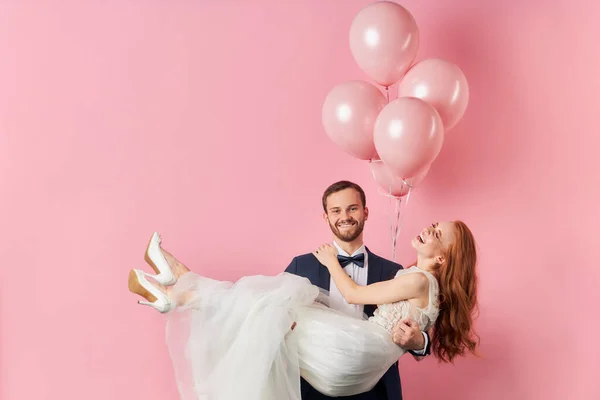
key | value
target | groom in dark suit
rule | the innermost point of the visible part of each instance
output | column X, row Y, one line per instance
column 344, row 205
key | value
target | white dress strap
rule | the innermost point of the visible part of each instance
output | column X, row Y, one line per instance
column 432, row 309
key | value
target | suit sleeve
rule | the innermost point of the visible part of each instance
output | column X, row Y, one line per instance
column 427, row 350
column 293, row 267
column 391, row 271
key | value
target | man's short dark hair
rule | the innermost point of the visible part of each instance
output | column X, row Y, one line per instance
column 343, row 185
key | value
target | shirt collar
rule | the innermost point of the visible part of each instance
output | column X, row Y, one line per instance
column 360, row 250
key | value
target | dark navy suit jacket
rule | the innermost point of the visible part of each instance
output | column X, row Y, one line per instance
column 379, row 269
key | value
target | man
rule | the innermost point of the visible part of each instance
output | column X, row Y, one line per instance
column 344, row 206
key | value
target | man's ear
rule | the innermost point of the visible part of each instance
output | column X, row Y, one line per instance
column 325, row 217
column 366, row 213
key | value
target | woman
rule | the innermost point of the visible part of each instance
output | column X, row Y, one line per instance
column 254, row 338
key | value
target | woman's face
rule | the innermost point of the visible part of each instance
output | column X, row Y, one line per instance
column 433, row 242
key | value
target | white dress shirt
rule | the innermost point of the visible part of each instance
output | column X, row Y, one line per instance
column 360, row 276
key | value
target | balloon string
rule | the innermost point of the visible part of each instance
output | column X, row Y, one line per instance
column 400, row 213
column 395, row 235
column 397, row 217
column 392, row 224
column 396, row 228
column 387, row 94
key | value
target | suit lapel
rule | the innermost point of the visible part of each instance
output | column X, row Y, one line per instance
column 373, row 275
column 374, row 268
column 324, row 277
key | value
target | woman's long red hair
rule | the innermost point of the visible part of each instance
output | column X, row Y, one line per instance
column 453, row 332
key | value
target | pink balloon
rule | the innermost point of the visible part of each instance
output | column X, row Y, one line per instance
column 348, row 115
column 384, row 39
column 395, row 186
column 408, row 135
column 441, row 84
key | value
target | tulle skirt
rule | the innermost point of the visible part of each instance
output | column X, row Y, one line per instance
column 231, row 341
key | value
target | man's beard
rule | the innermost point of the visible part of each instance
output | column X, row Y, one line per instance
column 349, row 235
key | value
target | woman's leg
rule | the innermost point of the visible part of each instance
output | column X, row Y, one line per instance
column 178, row 297
column 178, row 268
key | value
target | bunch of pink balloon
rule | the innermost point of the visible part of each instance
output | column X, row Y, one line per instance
column 405, row 135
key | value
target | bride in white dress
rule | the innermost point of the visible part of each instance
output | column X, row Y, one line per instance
column 254, row 338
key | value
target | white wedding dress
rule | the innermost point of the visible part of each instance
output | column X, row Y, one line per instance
column 232, row 341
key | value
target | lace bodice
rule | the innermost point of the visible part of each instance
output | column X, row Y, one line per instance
column 388, row 315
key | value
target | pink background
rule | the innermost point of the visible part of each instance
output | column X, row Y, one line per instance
column 201, row 119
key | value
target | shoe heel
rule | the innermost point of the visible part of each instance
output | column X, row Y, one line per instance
column 147, row 257
column 156, row 299
column 160, row 307
column 157, row 261
column 136, row 287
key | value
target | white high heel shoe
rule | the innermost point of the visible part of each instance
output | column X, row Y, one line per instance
column 158, row 262
column 138, row 284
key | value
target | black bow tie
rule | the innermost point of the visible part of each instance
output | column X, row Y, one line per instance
column 358, row 259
